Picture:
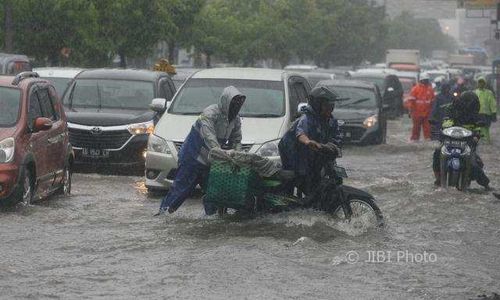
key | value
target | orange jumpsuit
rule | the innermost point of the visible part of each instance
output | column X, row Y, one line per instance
column 420, row 106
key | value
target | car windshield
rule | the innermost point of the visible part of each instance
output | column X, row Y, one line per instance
column 107, row 93
column 357, row 97
column 9, row 106
column 378, row 81
column 264, row 98
column 60, row 84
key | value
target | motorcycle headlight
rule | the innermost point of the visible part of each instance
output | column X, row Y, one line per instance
column 141, row 128
column 457, row 132
column 7, row 150
column 157, row 144
column 370, row 121
column 269, row 149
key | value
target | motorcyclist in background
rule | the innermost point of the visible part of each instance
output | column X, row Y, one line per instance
column 443, row 100
column 463, row 112
column 487, row 108
column 316, row 128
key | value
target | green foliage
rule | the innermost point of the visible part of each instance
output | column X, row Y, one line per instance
column 407, row 32
column 339, row 32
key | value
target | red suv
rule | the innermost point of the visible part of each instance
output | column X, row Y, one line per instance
column 35, row 153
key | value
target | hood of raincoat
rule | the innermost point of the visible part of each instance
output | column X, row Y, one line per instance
column 225, row 99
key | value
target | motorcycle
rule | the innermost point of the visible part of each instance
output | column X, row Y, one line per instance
column 456, row 158
column 237, row 187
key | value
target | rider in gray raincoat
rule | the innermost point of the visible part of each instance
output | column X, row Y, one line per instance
column 219, row 126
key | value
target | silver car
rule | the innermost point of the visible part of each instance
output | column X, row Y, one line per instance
column 273, row 98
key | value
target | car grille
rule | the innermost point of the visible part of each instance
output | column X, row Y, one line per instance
column 244, row 147
column 104, row 140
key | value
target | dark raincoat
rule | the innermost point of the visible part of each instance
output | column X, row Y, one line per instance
column 299, row 158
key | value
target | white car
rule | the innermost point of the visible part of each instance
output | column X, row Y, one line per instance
column 61, row 77
column 273, row 98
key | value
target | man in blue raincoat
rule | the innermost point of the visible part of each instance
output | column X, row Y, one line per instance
column 219, row 126
column 316, row 128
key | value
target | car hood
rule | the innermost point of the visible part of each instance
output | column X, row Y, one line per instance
column 353, row 114
column 254, row 130
column 108, row 117
column 6, row 132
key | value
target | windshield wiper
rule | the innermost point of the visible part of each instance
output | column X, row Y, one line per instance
column 356, row 102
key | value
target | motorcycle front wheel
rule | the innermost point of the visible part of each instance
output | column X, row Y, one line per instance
column 364, row 213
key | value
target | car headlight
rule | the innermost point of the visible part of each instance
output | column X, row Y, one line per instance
column 269, row 149
column 370, row 121
column 141, row 128
column 157, row 144
column 7, row 150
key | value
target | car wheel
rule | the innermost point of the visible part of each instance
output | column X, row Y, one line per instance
column 66, row 183
column 27, row 188
column 66, row 187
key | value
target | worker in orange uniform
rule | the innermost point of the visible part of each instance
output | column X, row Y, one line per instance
column 420, row 107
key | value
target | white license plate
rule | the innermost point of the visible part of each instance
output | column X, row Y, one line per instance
column 95, row 153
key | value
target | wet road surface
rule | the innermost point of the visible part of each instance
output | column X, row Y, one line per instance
column 102, row 242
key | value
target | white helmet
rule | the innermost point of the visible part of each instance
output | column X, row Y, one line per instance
column 424, row 76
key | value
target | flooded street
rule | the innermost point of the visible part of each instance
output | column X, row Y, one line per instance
column 102, row 242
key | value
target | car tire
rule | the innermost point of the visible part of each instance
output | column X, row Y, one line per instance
column 156, row 192
column 65, row 189
column 27, row 188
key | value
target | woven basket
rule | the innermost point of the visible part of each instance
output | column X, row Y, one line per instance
column 231, row 186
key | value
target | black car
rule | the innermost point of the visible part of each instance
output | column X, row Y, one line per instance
column 390, row 87
column 109, row 119
column 360, row 110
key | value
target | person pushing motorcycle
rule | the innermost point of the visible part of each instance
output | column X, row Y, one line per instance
column 219, row 126
column 463, row 112
column 315, row 129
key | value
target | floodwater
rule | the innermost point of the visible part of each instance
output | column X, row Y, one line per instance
column 102, row 242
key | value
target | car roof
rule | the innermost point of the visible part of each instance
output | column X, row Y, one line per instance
column 369, row 74
column 6, row 81
column 242, row 73
column 348, row 83
column 121, row 74
column 58, row 72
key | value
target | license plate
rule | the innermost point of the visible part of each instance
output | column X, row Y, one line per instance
column 95, row 153
column 347, row 134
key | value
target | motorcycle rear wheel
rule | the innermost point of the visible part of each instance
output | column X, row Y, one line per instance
column 365, row 212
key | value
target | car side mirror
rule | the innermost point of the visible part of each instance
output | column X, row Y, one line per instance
column 42, row 124
column 159, row 105
column 300, row 108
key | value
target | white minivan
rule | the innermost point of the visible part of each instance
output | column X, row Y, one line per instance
column 273, row 98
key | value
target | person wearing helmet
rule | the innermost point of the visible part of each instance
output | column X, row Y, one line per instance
column 420, row 105
column 487, row 108
column 443, row 100
column 219, row 126
column 464, row 112
column 316, row 128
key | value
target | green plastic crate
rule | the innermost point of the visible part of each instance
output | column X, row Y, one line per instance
column 229, row 186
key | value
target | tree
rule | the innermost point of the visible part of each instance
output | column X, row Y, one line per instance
column 130, row 28
column 407, row 32
column 44, row 28
column 182, row 15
